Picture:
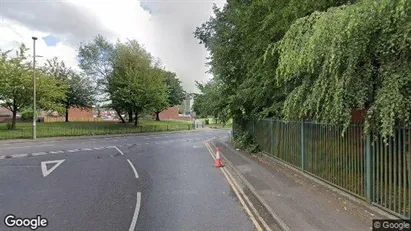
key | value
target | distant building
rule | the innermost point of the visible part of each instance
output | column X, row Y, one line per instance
column 5, row 114
column 188, row 103
column 171, row 113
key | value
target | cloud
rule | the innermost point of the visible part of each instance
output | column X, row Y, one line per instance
column 164, row 27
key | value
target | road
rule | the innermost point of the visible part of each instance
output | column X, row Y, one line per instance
column 145, row 182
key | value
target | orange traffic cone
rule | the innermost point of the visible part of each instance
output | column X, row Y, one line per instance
column 218, row 163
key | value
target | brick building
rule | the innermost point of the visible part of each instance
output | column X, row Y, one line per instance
column 5, row 114
column 172, row 113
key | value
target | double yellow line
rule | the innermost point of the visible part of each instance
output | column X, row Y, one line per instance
column 246, row 203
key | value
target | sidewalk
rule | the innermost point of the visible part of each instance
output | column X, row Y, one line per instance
column 301, row 203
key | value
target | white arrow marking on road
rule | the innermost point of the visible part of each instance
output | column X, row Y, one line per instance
column 44, row 166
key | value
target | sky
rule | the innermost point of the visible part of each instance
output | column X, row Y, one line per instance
column 164, row 27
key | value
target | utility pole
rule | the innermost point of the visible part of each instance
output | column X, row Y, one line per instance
column 34, row 88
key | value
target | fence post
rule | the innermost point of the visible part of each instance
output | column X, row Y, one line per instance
column 302, row 145
column 253, row 127
column 271, row 136
column 368, row 167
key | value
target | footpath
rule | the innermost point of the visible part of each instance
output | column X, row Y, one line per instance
column 295, row 200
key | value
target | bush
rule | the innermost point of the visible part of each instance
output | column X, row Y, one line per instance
column 245, row 141
column 27, row 115
column 9, row 126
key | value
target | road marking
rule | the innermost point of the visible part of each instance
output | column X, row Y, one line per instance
column 39, row 153
column 44, row 145
column 98, row 148
column 53, row 152
column 19, row 155
column 44, row 166
column 230, row 181
column 86, row 149
column 134, row 169
column 74, row 150
column 1, row 157
column 136, row 212
column 148, row 138
column 119, row 150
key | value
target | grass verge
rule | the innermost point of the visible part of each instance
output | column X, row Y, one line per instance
column 57, row 129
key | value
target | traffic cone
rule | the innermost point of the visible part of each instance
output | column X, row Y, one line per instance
column 218, row 163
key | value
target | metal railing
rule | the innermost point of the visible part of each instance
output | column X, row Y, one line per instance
column 368, row 168
column 87, row 129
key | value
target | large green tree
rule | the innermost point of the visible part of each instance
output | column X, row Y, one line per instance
column 79, row 93
column 136, row 81
column 237, row 37
column 350, row 57
column 16, row 85
column 175, row 92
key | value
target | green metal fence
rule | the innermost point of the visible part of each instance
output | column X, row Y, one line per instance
column 370, row 169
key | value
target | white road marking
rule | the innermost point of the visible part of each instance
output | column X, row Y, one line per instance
column 136, row 212
column 1, row 157
column 74, row 150
column 86, row 149
column 52, row 152
column 44, row 166
column 119, row 150
column 100, row 148
column 39, row 153
column 44, row 145
column 134, row 169
column 18, row 155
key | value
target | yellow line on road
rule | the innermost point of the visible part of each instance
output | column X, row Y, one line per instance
column 230, row 181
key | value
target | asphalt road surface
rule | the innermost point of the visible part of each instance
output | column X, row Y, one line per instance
column 144, row 182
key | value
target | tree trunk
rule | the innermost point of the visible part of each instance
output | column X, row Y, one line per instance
column 14, row 118
column 157, row 116
column 130, row 115
column 67, row 114
column 136, row 118
column 119, row 115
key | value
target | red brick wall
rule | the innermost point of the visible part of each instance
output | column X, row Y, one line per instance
column 171, row 113
column 80, row 113
column 75, row 114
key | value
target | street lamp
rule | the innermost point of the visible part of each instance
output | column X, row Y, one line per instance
column 34, row 87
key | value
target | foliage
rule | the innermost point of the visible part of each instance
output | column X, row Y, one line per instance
column 128, row 75
column 136, row 82
column 245, row 141
column 210, row 102
column 79, row 92
column 16, row 85
column 317, row 59
column 175, row 92
column 350, row 57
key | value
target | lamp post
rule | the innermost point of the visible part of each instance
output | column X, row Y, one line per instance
column 34, row 88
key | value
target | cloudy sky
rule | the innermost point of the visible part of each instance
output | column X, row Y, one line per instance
column 165, row 27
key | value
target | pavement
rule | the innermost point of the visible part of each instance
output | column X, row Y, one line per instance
column 143, row 182
column 294, row 200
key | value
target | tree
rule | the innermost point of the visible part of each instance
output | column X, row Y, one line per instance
column 135, row 82
column 96, row 59
column 209, row 102
column 237, row 37
column 350, row 57
column 16, row 86
column 79, row 93
column 175, row 93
